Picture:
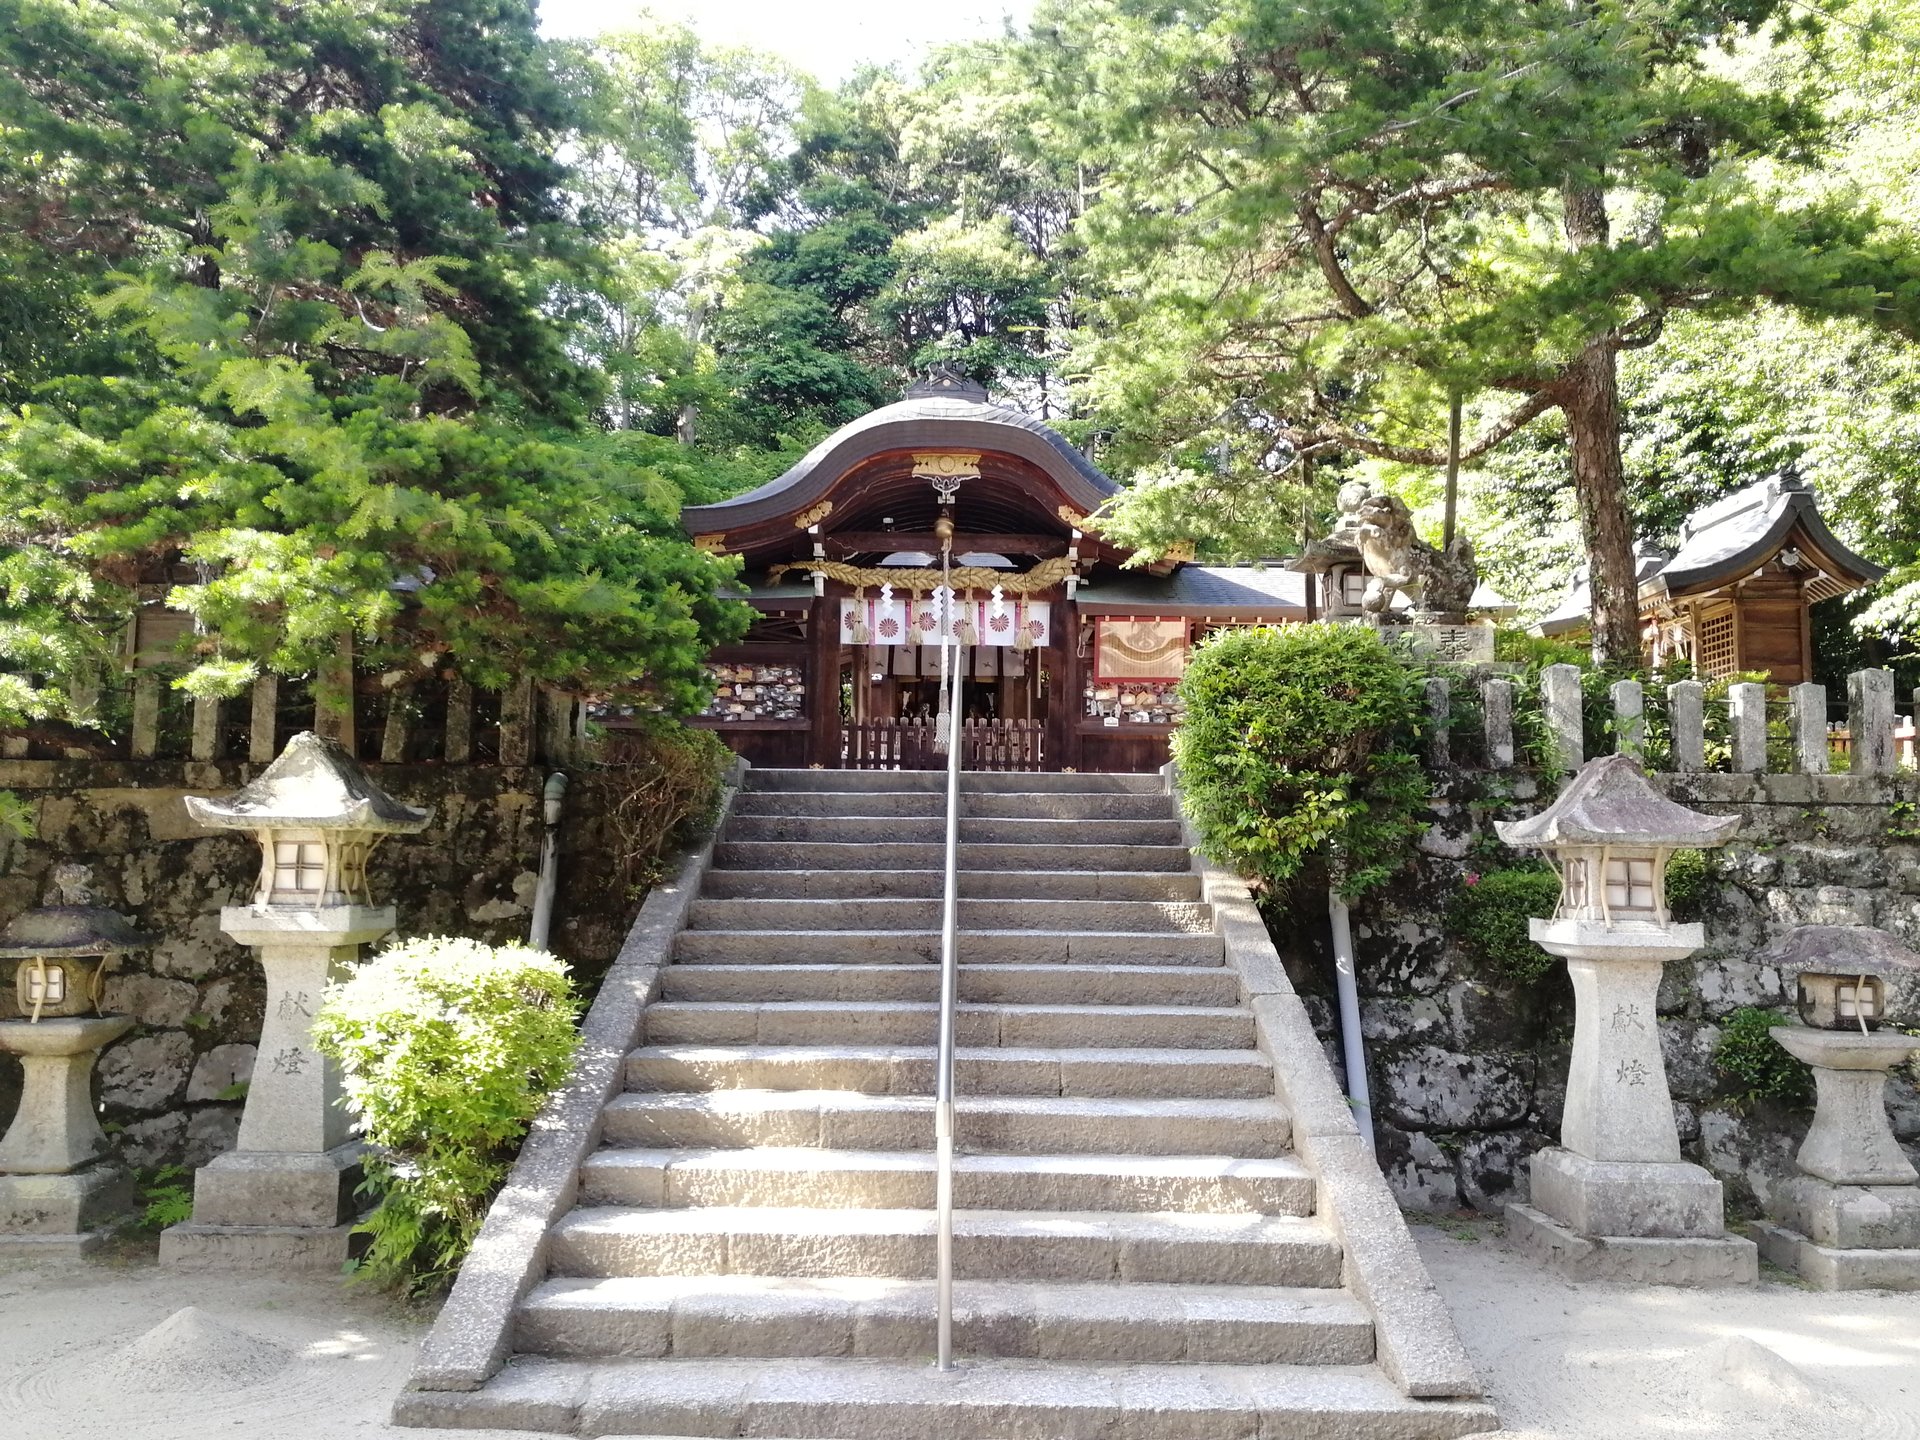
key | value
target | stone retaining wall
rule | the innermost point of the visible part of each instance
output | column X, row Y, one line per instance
column 167, row 1091
column 1468, row 1071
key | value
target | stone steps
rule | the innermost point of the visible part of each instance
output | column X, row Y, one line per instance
column 868, row 829
column 733, row 853
column 858, row 913
column 922, row 947
column 899, row 1179
column 1082, row 1246
column 974, row 885
column 1138, row 1253
column 973, row 782
column 1060, row 805
column 1000, row 984
column 812, row 1399
column 783, row 1316
column 909, row 1070
column 910, row 1023
column 985, row 1124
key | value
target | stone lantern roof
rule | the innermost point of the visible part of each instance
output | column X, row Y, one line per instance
column 55, row 931
column 1610, row 803
column 313, row 784
column 1848, row 950
column 73, row 927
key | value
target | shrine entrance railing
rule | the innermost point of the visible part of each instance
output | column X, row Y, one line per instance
column 1004, row 744
column 909, row 745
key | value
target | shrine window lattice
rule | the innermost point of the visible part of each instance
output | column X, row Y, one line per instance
column 1715, row 653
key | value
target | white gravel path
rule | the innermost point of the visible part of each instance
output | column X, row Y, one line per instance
column 120, row 1350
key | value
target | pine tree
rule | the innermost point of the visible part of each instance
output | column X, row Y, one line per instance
column 1319, row 223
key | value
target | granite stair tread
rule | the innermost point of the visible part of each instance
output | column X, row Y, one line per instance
column 855, row 1399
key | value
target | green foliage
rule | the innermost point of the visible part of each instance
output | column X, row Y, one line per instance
column 664, row 783
column 1489, row 918
column 1297, row 748
column 447, row 1047
column 1312, row 226
column 164, row 1196
column 16, row 816
column 1690, row 883
column 339, row 392
column 1756, row 1065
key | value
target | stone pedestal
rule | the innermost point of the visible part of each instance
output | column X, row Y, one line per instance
column 1852, row 1219
column 1616, row 1201
column 284, row 1198
column 55, row 1190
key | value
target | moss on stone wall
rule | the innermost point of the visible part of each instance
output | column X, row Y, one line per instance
column 1469, row 1067
column 170, row 1091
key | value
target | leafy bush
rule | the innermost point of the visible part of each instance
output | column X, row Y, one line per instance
column 1489, row 917
column 1689, row 880
column 447, row 1047
column 1297, row 747
column 16, row 817
column 1759, row 1067
column 664, row 783
column 164, row 1196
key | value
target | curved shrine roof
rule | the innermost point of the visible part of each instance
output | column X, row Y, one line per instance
column 936, row 415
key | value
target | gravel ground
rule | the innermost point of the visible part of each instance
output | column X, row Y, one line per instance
column 119, row 1348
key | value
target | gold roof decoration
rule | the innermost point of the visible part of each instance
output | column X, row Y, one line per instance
column 806, row 519
column 946, row 464
column 710, row 544
column 1043, row 576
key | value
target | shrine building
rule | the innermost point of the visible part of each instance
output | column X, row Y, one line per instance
column 1071, row 661
column 1738, row 593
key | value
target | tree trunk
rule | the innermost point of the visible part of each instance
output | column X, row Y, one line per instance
column 1590, row 398
column 1592, row 405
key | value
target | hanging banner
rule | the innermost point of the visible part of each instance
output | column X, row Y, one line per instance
column 972, row 622
column 931, row 621
column 1129, row 649
column 873, row 622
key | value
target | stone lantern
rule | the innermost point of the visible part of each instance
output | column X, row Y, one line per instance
column 1851, row 1218
column 56, row 1186
column 1614, row 1199
column 283, row 1197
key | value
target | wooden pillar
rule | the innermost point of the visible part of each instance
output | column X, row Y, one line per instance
column 459, row 739
column 556, row 726
column 83, row 702
column 263, row 721
column 823, row 682
column 516, row 723
column 1070, row 679
column 146, row 715
column 208, row 712
column 395, row 732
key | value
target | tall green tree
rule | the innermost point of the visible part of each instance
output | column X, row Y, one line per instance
column 1332, row 217
column 324, row 245
column 678, row 146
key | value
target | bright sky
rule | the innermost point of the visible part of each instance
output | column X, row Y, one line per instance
column 827, row 38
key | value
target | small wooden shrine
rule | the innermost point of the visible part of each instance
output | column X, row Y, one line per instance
column 1071, row 661
column 1737, row 594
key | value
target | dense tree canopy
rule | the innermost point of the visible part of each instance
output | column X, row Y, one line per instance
column 392, row 320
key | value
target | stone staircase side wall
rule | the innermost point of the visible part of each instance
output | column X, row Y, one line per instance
column 1415, row 1340
column 473, row 1335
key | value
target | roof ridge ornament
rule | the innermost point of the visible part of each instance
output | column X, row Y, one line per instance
column 945, row 380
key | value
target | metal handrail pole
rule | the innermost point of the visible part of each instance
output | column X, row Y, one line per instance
column 949, row 999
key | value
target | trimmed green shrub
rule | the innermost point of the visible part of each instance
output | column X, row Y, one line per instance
column 447, row 1047
column 1489, row 918
column 1759, row 1068
column 1689, row 880
column 1298, row 747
